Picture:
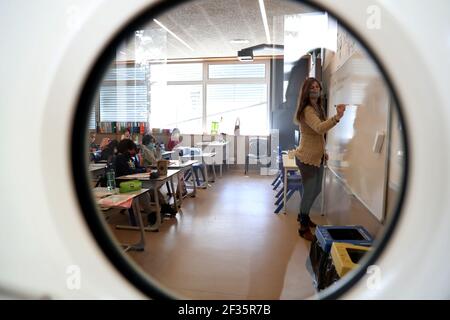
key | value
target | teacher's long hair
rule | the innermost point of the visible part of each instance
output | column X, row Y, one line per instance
column 304, row 100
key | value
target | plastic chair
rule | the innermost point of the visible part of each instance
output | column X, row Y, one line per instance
column 279, row 178
column 196, row 167
column 294, row 183
column 257, row 147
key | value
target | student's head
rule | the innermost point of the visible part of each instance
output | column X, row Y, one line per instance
column 127, row 134
column 311, row 91
column 105, row 142
column 114, row 146
column 147, row 139
column 127, row 146
column 175, row 134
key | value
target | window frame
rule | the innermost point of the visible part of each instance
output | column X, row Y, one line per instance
column 265, row 80
column 177, row 82
column 208, row 81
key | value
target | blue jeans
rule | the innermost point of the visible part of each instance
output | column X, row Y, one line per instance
column 312, row 184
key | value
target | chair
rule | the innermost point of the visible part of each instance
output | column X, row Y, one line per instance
column 294, row 183
column 196, row 167
column 278, row 179
column 257, row 147
column 195, row 151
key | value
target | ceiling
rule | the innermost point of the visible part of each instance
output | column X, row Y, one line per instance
column 207, row 26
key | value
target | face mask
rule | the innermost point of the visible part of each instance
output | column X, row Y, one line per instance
column 314, row 95
column 152, row 145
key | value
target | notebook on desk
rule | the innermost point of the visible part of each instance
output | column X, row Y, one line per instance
column 100, row 193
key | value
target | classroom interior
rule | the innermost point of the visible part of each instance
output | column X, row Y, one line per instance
column 216, row 85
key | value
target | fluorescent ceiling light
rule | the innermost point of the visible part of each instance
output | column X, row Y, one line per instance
column 239, row 41
column 173, row 34
column 262, row 8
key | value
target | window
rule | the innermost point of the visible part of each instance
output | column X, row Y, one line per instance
column 238, row 91
column 188, row 96
column 124, row 95
column 192, row 95
column 91, row 125
column 248, row 102
column 177, row 106
column 229, row 71
column 176, row 96
column 176, row 72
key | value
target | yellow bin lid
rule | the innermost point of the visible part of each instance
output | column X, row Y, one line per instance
column 346, row 256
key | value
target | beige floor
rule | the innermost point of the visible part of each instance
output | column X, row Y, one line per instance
column 228, row 244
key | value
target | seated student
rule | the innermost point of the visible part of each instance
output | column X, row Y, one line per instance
column 175, row 139
column 151, row 151
column 126, row 164
column 92, row 145
column 126, row 134
column 110, row 151
column 104, row 143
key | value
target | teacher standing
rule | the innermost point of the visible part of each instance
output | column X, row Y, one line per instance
column 310, row 154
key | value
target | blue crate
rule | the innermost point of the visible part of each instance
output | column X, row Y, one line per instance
column 356, row 235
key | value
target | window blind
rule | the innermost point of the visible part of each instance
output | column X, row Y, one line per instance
column 124, row 95
column 123, row 103
column 230, row 71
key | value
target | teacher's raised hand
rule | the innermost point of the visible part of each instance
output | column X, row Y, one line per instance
column 340, row 109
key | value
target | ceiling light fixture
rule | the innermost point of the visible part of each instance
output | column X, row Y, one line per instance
column 239, row 41
column 245, row 55
column 262, row 8
column 173, row 34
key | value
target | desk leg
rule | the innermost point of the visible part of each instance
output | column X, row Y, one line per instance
column 180, row 192
column 213, row 166
column 140, row 246
column 225, row 150
column 193, row 182
column 137, row 209
column 158, row 214
column 204, row 185
column 175, row 202
column 158, row 206
column 205, row 170
column 285, row 191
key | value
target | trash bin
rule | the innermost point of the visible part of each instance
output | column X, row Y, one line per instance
column 344, row 257
column 323, row 240
column 329, row 274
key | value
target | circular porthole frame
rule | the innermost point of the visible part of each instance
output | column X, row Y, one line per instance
column 79, row 164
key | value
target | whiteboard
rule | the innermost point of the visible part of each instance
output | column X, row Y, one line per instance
column 351, row 143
